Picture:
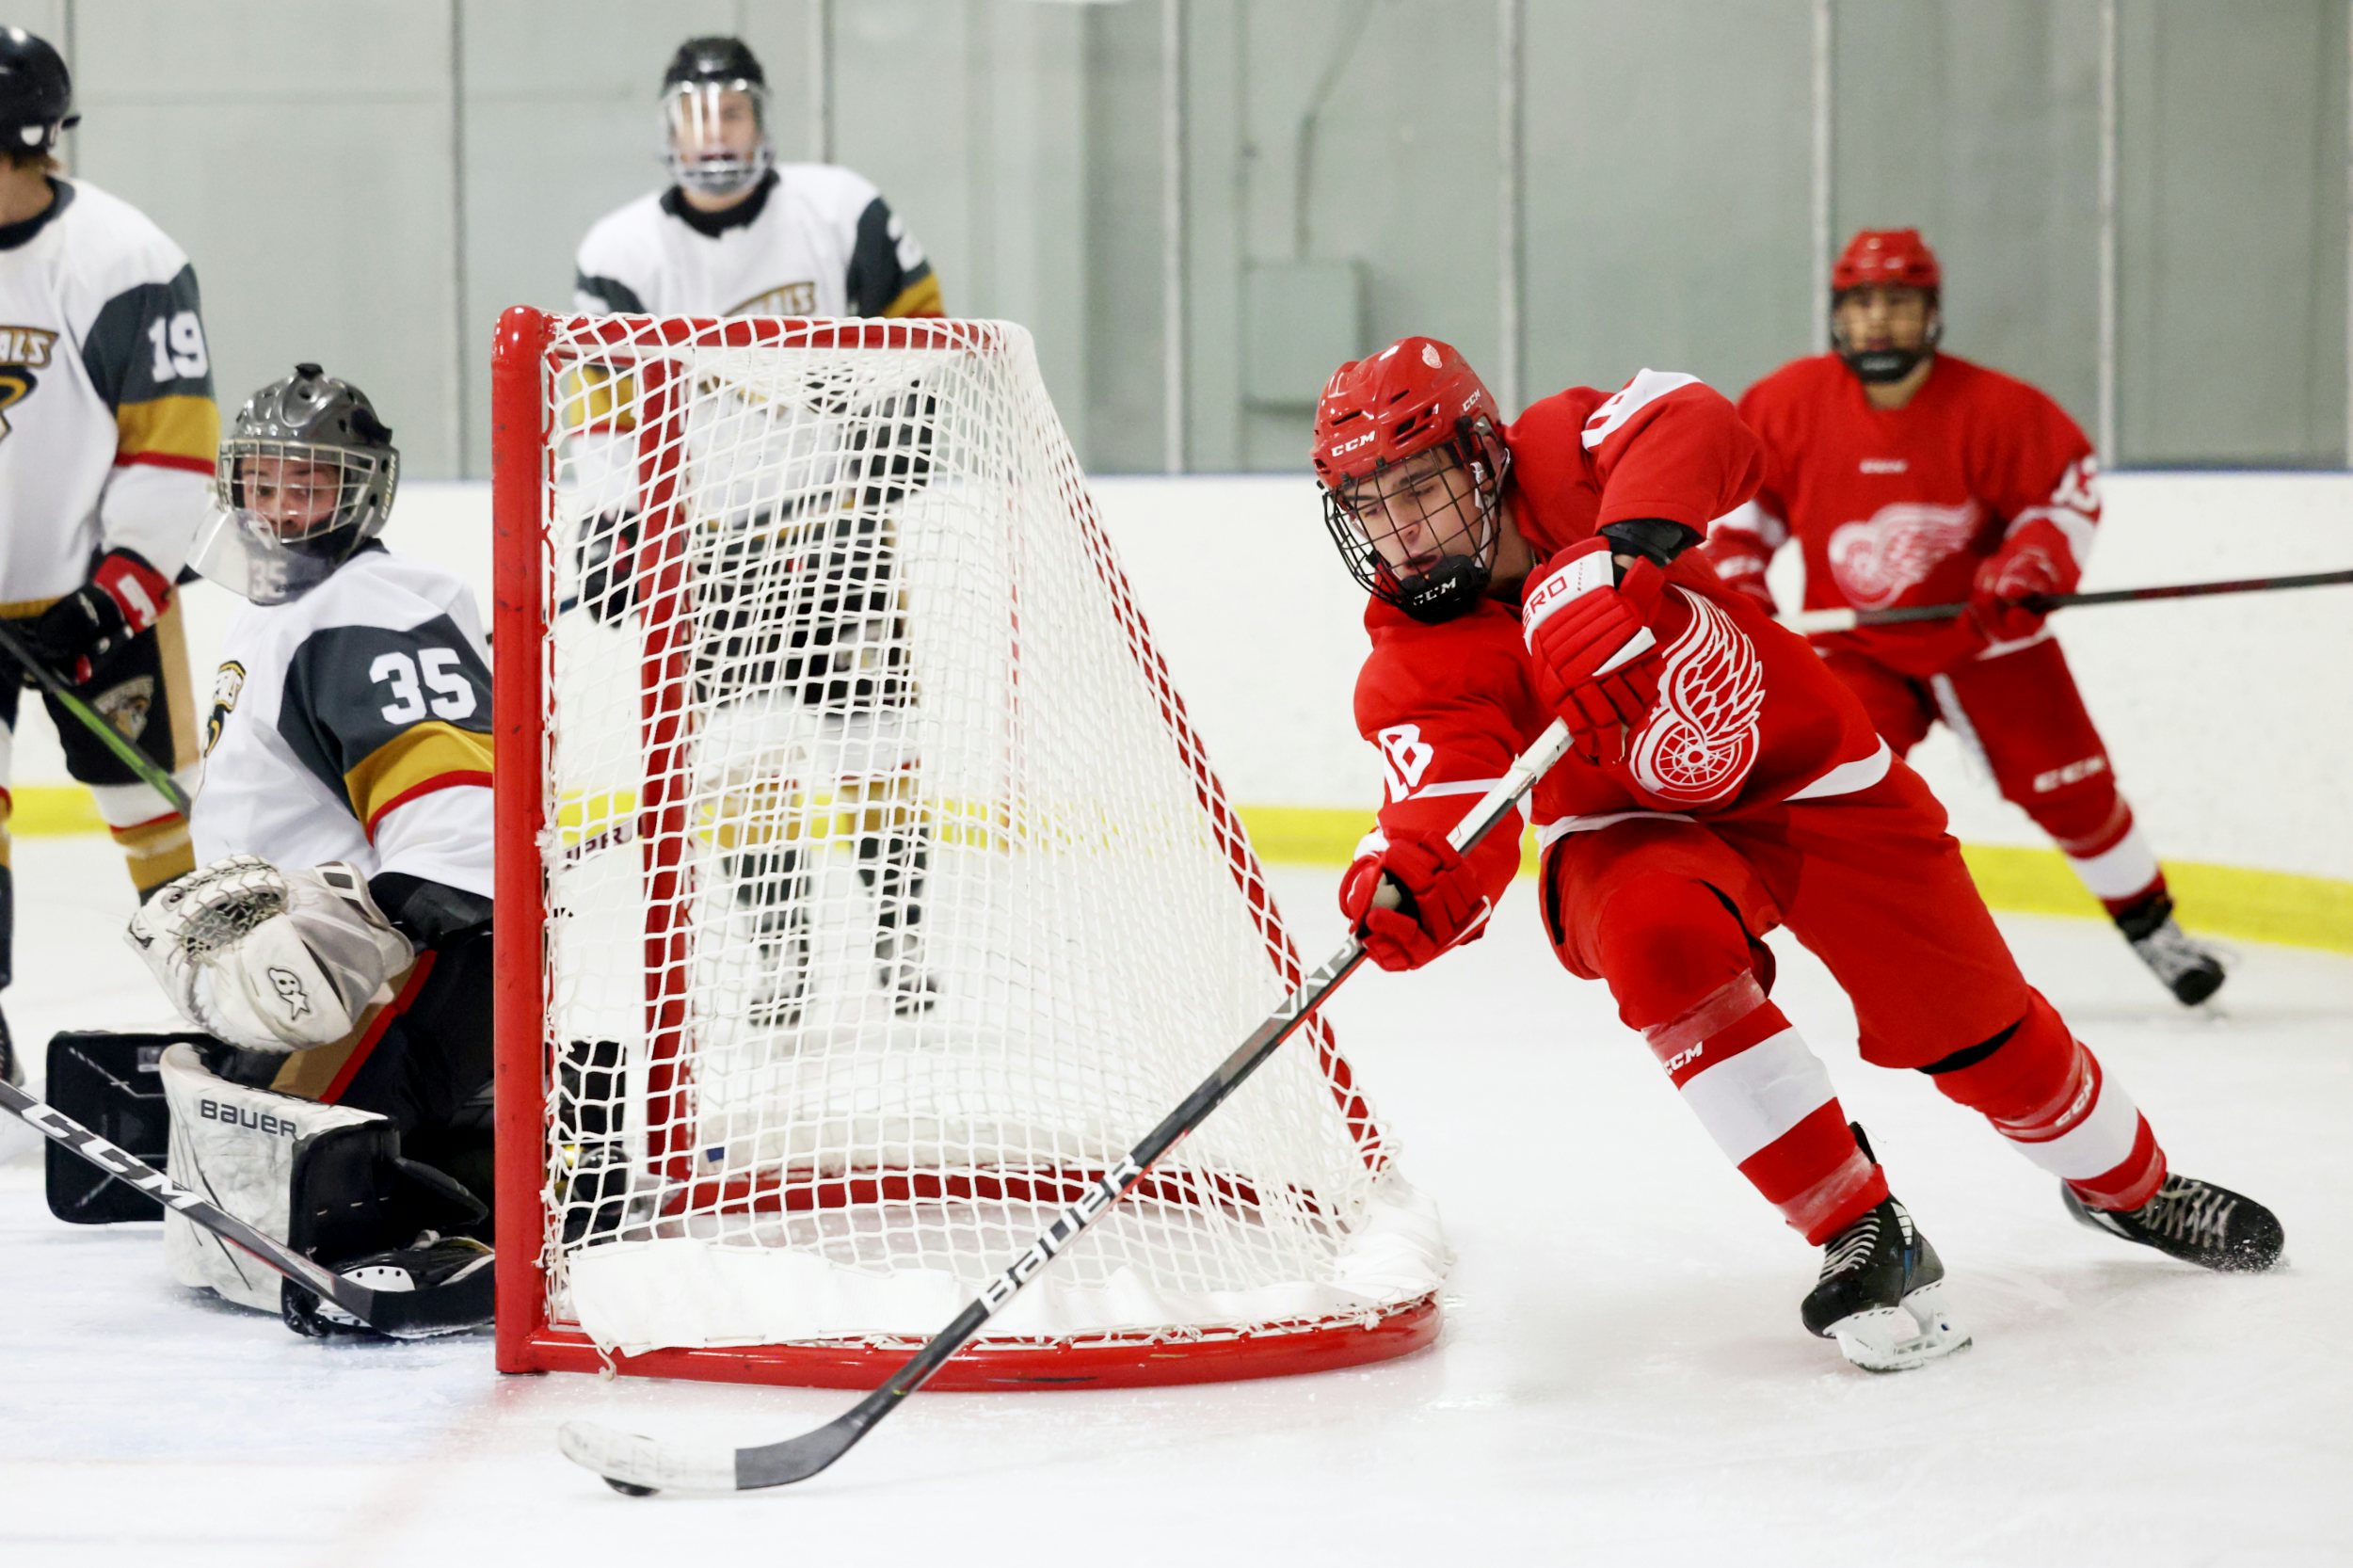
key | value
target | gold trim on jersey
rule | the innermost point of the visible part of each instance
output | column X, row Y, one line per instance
column 418, row 756
column 595, row 397
column 177, row 427
column 918, row 298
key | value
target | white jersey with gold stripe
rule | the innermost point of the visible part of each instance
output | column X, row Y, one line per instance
column 354, row 724
column 813, row 240
column 107, row 425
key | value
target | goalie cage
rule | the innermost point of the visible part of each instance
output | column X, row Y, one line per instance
column 810, row 628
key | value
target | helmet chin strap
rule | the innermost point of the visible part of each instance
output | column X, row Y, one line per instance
column 1457, row 582
column 1877, row 367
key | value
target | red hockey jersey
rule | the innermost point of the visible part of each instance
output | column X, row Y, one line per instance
column 1747, row 716
column 1897, row 507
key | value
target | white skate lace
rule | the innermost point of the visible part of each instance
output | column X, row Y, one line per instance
column 2170, row 952
column 1852, row 1247
column 2186, row 1210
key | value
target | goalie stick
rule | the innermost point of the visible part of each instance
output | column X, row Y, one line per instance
column 156, row 778
column 400, row 1314
column 639, row 1466
column 1811, row 621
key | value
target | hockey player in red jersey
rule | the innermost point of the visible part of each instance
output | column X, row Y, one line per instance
column 1911, row 476
column 1724, row 782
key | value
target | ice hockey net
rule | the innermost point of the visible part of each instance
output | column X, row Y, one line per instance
column 864, row 894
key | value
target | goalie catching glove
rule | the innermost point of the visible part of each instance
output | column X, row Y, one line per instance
column 269, row 960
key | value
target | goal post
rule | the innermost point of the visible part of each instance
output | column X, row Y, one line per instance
column 864, row 890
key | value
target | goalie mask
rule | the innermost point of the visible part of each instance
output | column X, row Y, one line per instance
column 305, row 478
column 714, row 117
column 1409, row 449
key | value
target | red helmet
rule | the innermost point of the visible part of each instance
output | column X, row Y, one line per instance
column 1415, row 396
column 1395, row 404
column 1895, row 258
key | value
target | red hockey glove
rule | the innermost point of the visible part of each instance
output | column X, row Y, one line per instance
column 1443, row 903
column 2033, row 561
column 1589, row 637
column 123, row 596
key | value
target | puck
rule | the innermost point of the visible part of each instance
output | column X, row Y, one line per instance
column 628, row 1488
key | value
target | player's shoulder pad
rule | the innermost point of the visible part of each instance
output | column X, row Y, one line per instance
column 111, row 245
column 839, row 195
column 388, row 690
column 622, row 249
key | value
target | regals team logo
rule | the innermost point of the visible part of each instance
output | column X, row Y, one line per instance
column 785, row 299
column 228, row 685
column 1905, row 540
column 23, row 353
column 127, row 706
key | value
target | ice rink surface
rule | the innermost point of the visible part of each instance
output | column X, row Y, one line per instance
column 1622, row 1379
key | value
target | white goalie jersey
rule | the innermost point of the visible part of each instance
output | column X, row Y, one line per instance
column 353, row 724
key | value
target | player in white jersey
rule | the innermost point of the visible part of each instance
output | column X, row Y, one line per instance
column 107, row 430
column 339, row 931
column 799, row 633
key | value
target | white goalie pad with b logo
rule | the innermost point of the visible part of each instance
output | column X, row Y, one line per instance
column 237, row 1146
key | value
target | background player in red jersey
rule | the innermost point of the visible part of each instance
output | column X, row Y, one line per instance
column 1911, row 476
column 1723, row 783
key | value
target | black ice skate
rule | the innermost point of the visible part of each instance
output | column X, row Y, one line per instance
column 1881, row 1294
column 455, row 1266
column 2196, row 1221
column 2189, row 970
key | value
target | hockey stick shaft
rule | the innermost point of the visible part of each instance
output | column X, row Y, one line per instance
column 638, row 1464
column 400, row 1313
column 1811, row 621
column 156, row 778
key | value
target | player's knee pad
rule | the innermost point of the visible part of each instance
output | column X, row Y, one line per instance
column 325, row 1180
column 2015, row 1073
column 1665, row 943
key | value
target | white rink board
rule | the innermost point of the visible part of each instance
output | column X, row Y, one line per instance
column 2227, row 717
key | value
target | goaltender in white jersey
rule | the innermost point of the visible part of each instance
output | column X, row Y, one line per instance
column 107, row 430
column 337, row 940
column 799, row 651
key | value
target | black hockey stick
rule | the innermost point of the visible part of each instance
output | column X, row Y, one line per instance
column 1847, row 620
column 114, row 739
column 640, row 1465
column 402, row 1314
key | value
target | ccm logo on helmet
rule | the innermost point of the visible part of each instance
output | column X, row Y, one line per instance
column 1347, row 447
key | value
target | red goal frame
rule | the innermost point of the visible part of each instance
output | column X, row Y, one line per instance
column 527, row 1339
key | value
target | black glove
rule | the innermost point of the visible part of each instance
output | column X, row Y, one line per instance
column 123, row 597
column 608, row 550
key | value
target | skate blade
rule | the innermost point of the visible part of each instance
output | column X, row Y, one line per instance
column 1898, row 1338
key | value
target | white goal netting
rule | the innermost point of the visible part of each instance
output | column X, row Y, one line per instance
column 888, row 897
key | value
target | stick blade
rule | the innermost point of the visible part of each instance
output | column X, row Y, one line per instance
column 637, row 1466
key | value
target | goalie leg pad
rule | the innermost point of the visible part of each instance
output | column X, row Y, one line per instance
column 238, row 1147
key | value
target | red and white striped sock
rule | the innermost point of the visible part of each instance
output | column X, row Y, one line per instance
column 2045, row 1091
column 1766, row 1101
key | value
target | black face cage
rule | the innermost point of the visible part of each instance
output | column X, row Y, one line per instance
column 1456, row 583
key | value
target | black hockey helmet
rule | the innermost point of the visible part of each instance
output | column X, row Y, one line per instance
column 716, row 58
column 306, row 443
column 35, row 93
column 701, row 143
